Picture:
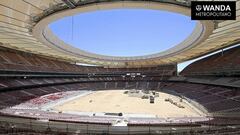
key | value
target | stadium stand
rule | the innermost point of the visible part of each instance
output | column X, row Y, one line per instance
column 37, row 68
column 223, row 102
column 215, row 98
column 11, row 60
column 226, row 63
column 25, row 76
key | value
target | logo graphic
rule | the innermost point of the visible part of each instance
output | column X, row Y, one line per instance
column 213, row 10
column 198, row 7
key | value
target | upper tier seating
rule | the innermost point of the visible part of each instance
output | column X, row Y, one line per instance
column 11, row 60
column 223, row 63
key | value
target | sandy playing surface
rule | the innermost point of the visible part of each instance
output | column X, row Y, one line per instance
column 116, row 101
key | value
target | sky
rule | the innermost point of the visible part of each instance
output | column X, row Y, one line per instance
column 124, row 32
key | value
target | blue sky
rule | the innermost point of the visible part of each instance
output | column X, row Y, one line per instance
column 124, row 32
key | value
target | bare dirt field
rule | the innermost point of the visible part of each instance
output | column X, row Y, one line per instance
column 116, row 101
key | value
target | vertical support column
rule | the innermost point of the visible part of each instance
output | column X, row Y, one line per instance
column 30, row 124
column 137, row 85
column 149, row 129
column 147, row 85
column 87, row 128
column 108, row 128
column 159, row 83
column 67, row 128
column 105, row 85
column 116, row 84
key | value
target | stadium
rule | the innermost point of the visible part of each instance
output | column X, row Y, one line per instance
column 50, row 87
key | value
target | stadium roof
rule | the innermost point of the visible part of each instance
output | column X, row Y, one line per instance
column 23, row 26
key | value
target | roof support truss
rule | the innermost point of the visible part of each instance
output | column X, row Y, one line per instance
column 69, row 3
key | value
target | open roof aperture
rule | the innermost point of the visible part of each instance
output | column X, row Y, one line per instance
column 124, row 32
